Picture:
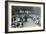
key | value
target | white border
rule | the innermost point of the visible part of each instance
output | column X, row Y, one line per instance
column 23, row 4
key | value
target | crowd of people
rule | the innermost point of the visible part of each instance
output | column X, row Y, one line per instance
column 18, row 22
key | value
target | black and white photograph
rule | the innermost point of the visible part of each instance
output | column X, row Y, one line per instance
column 25, row 16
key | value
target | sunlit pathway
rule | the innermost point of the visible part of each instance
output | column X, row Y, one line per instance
column 29, row 23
